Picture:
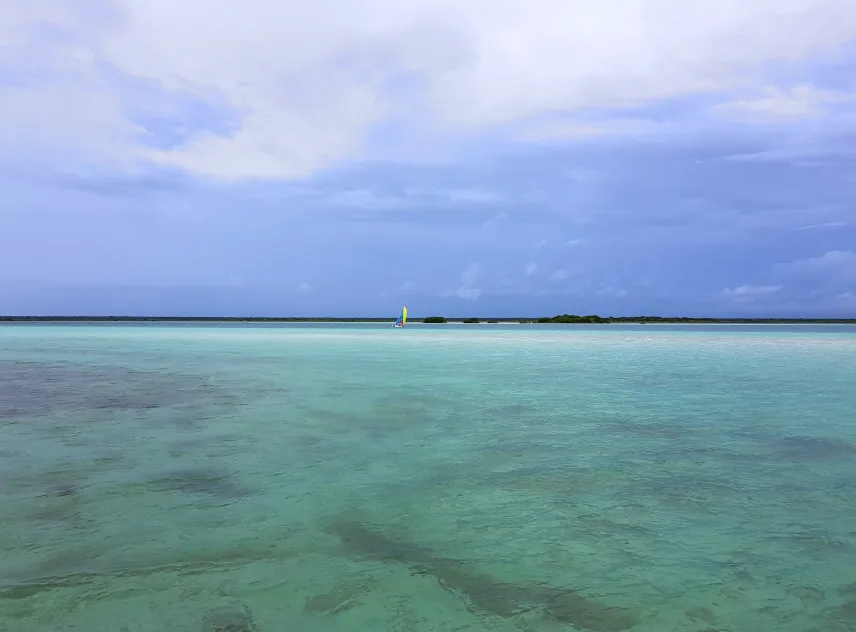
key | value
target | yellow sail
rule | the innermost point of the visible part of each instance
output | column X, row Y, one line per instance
column 403, row 315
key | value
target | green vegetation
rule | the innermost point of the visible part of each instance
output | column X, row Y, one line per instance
column 572, row 318
column 471, row 321
column 562, row 318
column 492, row 321
column 729, row 321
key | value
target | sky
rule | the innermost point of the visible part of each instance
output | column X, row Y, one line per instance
column 478, row 158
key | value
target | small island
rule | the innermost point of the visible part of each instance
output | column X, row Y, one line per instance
column 572, row 318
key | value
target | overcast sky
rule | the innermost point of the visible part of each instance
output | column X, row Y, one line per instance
column 466, row 157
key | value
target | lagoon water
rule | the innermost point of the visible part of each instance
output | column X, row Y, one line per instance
column 359, row 478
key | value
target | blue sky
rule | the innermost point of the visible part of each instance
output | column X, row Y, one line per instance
column 484, row 158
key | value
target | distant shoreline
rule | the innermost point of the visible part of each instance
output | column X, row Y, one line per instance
column 622, row 320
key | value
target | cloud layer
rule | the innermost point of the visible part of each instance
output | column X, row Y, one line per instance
column 549, row 156
column 292, row 87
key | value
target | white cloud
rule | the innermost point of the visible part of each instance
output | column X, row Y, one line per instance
column 830, row 262
column 747, row 293
column 308, row 81
column 798, row 153
column 796, row 102
column 573, row 242
column 831, row 272
column 824, row 225
column 559, row 275
column 565, row 130
column 412, row 198
column 530, row 268
column 824, row 277
column 303, row 287
column 468, row 279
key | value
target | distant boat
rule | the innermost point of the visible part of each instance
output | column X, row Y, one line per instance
column 402, row 318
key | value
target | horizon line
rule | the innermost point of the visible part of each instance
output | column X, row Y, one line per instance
column 96, row 318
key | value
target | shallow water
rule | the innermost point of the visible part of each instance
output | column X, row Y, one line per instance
column 362, row 478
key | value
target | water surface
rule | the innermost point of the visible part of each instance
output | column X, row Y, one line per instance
column 363, row 478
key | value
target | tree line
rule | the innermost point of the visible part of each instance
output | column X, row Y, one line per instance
column 559, row 319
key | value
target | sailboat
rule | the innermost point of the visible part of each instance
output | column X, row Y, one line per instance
column 402, row 318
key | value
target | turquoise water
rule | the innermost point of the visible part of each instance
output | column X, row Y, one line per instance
column 455, row 478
